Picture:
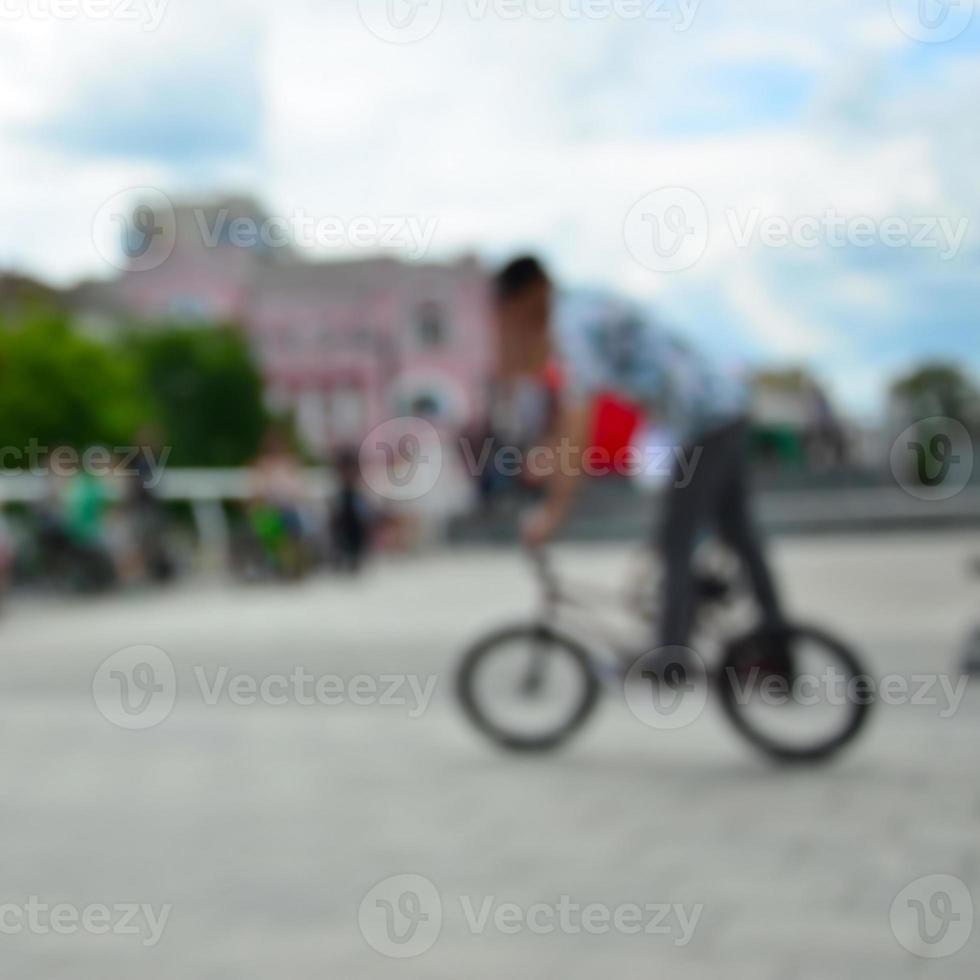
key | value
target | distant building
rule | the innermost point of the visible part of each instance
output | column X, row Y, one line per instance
column 344, row 345
column 793, row 422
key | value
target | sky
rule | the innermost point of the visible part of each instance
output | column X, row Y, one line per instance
column 786, row 183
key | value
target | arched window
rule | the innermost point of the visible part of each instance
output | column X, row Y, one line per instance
column 430, row 326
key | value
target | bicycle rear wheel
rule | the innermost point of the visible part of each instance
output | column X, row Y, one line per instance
column 796, row 693
column 528, row 688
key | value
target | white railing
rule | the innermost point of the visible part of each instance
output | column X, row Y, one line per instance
column 175, row 485
column 206, row 491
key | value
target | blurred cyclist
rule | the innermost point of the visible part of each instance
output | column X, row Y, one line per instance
column 605, row 345
column 72, row 532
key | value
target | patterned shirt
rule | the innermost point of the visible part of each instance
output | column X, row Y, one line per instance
column 608, row 344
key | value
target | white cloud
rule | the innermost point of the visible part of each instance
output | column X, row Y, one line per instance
column 534, row 134
column 780, row 328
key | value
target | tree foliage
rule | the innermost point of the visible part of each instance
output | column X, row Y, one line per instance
column 57, row 387
column 206, row 392
column 197, row 386
column 939, row 389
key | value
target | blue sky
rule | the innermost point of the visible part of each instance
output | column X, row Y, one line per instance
column 542, row 132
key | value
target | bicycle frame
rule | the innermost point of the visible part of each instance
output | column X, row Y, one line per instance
column 588, row 606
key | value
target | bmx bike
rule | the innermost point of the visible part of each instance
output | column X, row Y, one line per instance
column 794, row 691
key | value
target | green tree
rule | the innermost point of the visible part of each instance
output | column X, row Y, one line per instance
column 58, row 387
column 206, row 393
column 938, row 389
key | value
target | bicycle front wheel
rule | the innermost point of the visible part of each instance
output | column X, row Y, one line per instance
column 528, row 688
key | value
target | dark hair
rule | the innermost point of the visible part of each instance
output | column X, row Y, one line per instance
column 517, row 276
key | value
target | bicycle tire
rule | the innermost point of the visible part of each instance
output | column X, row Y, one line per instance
column 733, row 662
column 477, row 656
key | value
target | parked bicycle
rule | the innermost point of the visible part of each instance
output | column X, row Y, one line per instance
column 795, row 692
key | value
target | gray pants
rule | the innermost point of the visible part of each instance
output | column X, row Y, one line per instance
column 717, row 496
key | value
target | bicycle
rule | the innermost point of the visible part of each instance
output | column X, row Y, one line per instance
column 758, row 674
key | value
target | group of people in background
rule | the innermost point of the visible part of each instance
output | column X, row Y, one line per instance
column 90, row 531
column 284, row 533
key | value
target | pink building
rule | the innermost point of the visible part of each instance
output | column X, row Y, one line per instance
column 345, row 345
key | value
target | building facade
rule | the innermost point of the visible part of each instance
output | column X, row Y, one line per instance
column 344, row 345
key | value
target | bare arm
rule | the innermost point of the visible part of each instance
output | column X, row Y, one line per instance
column 571, row 442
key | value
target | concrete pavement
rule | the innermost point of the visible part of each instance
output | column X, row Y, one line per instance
column 248, row 833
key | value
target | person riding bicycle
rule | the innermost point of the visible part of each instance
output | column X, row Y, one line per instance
column 607, row 345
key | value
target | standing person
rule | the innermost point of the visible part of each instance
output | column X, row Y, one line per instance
column 147, row 512
column 607, row 345
column 6, row 556
column 278, row 495
column 350, row 516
